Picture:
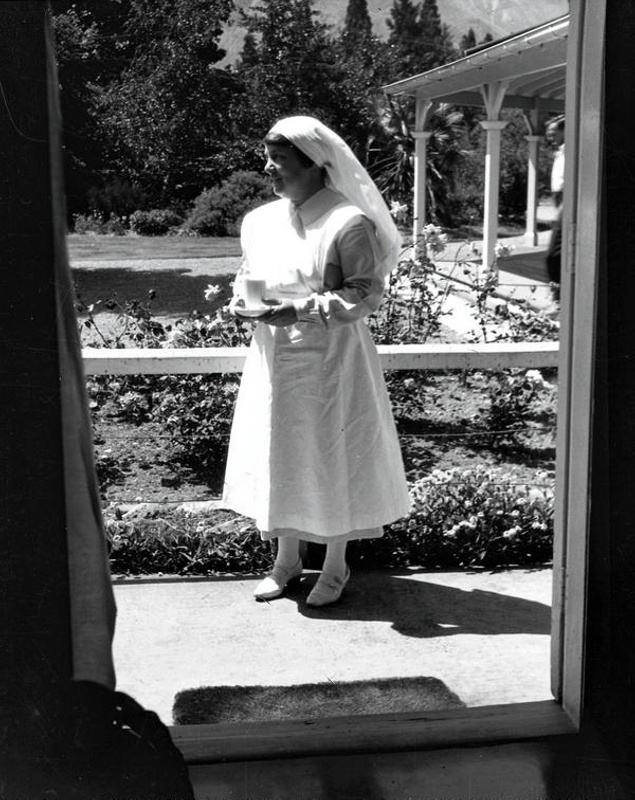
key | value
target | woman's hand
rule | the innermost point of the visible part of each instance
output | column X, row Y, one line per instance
column 281, row 313
column 234, row 306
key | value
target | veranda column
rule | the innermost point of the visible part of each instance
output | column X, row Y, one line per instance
column 420, row 181
column 531, row 229
column 421, row 136
column 492, row 181
column 493, row 96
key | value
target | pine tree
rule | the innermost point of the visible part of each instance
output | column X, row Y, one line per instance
column 436, row 46
column 404, row 38
column 402, row 20
column 362, row 67
column 430, row 20
column 358, row 28
column 289, row 66
column 468, row 41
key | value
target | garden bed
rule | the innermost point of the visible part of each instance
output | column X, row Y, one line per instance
column 137, row 463
column 161, row 517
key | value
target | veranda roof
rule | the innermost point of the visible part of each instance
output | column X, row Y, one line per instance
column 526, row 71
column 532, row 62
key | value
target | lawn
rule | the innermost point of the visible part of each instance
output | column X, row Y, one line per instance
column 92, row 247
column 127, row 268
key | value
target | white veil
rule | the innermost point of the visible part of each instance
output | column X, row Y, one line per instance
column 345, row 175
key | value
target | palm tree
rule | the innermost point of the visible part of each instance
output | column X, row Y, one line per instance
column 391, row 156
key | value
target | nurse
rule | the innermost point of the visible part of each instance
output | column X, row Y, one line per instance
column 313, row 453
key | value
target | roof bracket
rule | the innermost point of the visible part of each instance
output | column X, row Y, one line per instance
column 422, row 114
column 493, row 96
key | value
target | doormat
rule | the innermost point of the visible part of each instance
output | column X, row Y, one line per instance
column 213, row 704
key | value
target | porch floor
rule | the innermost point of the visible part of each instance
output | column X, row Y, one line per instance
column 486, row 635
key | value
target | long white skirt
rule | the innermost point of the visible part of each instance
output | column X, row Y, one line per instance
column 314, row 452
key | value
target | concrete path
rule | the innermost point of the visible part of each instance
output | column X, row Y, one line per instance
column 486, row 635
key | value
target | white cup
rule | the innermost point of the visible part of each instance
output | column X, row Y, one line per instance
column 254, row 291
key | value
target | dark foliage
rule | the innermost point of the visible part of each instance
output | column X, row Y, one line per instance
column 156, row 222
column 152, row 120
column 219, row 211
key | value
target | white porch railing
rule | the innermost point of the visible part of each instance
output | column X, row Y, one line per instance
column 202, row 360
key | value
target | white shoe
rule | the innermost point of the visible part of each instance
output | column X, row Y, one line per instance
column 273, row 585
column 328, row 589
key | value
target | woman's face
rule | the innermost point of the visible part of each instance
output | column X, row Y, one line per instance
column 290, row 178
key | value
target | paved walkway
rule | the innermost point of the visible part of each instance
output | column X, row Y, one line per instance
column 486, row 635
column 522, row 277
column 523, row 273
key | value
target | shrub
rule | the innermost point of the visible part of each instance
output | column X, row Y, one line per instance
column 117, row 196
column 108, row 467
column 481, row 517
column 96, row 222
column 512, row 397
column 506, row 320
column 156, row 222
column 196, row 412
column 219, row 211
column 414, row 300
column 176, row 543
column 407, row 392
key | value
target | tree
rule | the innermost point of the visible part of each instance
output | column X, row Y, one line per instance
column 249, row 54
column 289, row 68
column 418, row 40
column 358, row 29
column 362, row 68
column 393, row 165
column 404, row 38
column 165, row 115
column 468, row 41
column 436, row 43
column 90, row 50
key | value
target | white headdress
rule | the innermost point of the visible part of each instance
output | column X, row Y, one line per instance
column 345, row 175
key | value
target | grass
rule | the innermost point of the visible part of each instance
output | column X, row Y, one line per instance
column 176, row 270
column 91, row 247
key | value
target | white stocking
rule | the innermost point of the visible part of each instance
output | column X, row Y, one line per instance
column 335, row 559
column 288, row 551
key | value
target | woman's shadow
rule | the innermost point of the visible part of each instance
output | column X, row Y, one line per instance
column 423, row 609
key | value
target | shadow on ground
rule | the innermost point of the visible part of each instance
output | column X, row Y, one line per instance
column 422, row 609
column 176, row 291
column 530, row 265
